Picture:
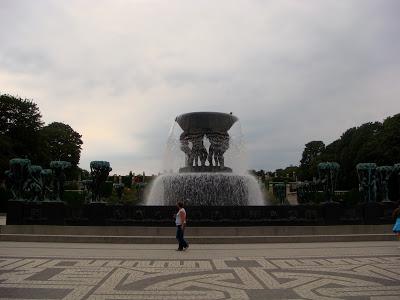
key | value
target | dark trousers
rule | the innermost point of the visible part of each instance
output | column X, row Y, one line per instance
column 180, row 238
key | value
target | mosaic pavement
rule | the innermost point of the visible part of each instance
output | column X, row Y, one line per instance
column 352, row 277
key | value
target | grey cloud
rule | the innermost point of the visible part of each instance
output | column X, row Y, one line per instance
column 24, row 61
column 291, row 71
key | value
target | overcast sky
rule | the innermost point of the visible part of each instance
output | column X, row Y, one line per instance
column 119, row 72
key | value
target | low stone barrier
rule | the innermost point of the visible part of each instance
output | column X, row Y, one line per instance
column 104, row 214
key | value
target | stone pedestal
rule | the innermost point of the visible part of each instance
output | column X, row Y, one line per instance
column 15, row 212
column 33, row 213
column 96, row 212
column 373, row 212
column 331, row 212
column 54, row 212
column 387, row 211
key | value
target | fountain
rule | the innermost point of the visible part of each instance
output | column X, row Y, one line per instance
column 328, row 172
column 58, row 168
column 205, row 179
column 367, row 181
column 384, row 173
column 279, row 190
column 99, row 171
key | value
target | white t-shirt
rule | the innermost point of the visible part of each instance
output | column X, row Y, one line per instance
column 178, row 220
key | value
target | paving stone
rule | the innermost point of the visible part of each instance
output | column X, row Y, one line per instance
column 365, row 270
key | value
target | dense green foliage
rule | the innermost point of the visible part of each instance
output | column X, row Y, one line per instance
column 62, row 142
column 371, row 142
column 22, row 134
column 20, row 123
column 286, row 175
column 127, row 180
column 309, row 159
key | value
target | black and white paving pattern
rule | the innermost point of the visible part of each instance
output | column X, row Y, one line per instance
column 362, row 270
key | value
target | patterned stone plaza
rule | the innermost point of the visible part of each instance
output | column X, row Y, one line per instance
column 362, row 270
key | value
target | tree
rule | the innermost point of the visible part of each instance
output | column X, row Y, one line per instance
column 309, row 161
column 22, row 135
column 390, row 140
column 127, row 180
column 20, row 122
column 371, row 142
column 85, row 174
column 286, row 175
column 18, row 116
column 356, row 145
column 62, row 143
column 6, row 152
column 311, row 152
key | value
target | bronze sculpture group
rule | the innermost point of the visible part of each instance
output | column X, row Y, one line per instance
column 196, row 153
column 33, row 183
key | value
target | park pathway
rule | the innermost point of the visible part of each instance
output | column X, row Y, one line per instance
column 352, row 270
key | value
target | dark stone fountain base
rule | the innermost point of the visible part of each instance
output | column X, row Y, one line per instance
column 58, row 213
column 36, row 213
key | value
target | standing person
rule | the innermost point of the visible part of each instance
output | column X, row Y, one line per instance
column 180, row 221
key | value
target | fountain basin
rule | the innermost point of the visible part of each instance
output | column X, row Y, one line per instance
column 203, row 122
